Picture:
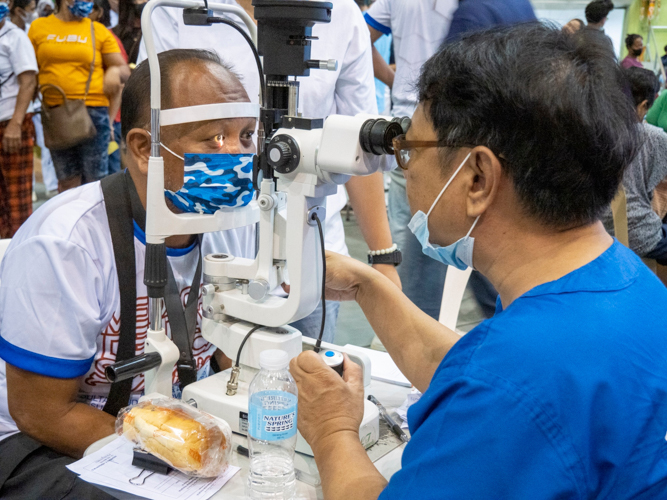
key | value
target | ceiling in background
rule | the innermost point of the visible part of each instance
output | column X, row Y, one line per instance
column 572, row 4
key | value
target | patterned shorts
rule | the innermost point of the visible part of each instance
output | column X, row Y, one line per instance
column 16, row 180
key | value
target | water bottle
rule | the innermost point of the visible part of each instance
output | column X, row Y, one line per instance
column 272, row 405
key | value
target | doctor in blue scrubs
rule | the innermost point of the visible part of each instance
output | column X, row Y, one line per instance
column 517, row 146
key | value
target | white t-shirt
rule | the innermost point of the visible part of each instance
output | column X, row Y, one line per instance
column 60, row 301
column 419, row 28
column 348, row 91
column 16, row 56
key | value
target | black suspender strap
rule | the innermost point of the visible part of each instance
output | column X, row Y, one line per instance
column 182, row 323
column 119, row 214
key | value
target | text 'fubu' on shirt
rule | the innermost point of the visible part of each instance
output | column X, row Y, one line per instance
column 561, row 395
column 60, row 301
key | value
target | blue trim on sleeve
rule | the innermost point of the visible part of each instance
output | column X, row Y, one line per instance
column 171, row 252
column 43, row 365
column 374, row 24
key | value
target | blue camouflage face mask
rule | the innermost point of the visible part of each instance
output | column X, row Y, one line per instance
column 459, row 253
column 213, row 181
column 80, row 8
column 4, row 10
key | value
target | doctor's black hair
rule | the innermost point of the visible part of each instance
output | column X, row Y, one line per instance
column 551, row 104
column 135, row 103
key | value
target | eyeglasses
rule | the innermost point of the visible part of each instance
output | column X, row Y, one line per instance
column 403, row 149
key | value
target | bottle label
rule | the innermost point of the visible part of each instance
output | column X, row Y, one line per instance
column 272, row 415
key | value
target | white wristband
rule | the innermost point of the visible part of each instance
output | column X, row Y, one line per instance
column 392, row 249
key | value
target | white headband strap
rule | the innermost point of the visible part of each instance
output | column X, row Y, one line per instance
column 205, row 112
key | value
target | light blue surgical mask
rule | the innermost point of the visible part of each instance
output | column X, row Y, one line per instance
column 80, row 8
column 213, row 181
column 4, row 10
column 459, row 253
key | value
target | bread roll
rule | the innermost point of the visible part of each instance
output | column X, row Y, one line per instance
column 174, row 436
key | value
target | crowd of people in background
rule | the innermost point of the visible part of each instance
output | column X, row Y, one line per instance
column 41, row 69
column 523, row 137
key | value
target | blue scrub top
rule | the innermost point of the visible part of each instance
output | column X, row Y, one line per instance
column 562, row 395
column 476, row 15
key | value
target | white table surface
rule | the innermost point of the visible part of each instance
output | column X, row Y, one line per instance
column 391, row 396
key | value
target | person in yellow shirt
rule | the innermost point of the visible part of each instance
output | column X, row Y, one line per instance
column 64, row 48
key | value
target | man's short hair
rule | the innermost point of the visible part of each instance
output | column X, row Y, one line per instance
column 630, row 40
column 644, row 85
column 551, row 105
column 135, row 104
column 597, row 10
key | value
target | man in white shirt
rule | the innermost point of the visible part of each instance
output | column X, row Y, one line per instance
column 348, row 91
column 60, row 298
column 418, row 30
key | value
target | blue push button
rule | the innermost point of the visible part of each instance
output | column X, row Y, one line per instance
column 329, row 354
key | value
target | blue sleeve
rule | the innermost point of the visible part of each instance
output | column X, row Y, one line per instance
column 478, row 441
column 376, row 24
column 465, row 21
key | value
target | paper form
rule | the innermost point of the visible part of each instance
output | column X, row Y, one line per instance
column 111, row 466
column 383, row 367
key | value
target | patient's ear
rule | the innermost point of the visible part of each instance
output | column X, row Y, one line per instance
column 138, row 142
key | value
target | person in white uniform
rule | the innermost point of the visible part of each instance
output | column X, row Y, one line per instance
column 349, row 90
column 60, row 299
column 418, row 30
column 18, row 69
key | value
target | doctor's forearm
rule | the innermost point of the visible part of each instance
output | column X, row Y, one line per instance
column 416, row 342
column 352, row 478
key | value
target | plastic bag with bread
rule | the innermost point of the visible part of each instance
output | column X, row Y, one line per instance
column 189, row 440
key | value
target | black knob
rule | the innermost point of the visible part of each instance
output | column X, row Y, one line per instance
column 279, row 154
column 283, row 154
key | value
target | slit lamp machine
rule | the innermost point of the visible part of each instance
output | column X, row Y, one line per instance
column 300, row 161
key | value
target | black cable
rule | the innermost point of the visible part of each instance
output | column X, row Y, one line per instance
column 324, row 283
column 262, row 85
column 238, row 354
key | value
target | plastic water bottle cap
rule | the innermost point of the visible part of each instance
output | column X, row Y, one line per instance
column 273, row 359
column 329, row 354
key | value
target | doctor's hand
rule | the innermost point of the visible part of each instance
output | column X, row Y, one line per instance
column 328, row 404
column 345, row 275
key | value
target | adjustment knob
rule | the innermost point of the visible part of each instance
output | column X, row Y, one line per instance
column 283, row 154
column 279, row 154
column 258, row 289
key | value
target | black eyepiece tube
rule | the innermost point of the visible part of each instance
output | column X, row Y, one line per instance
column 132, row 367
column 376, row 136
